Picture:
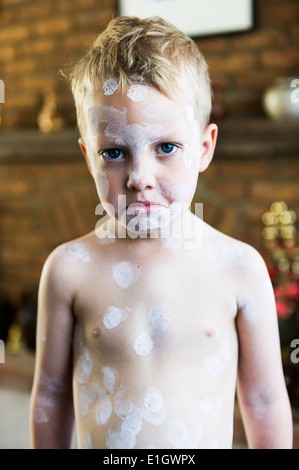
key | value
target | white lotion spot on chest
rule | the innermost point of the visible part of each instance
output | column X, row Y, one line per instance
column 109, row 379
column 84, row 366
column 211, row 406
column 87, row 395
column 79, row 252
column 177, row 433
column 213, row 365
column 143, row 344
column 113, row 316
column 125, row 274
column 123, row 406
column 153, row 410
column 225, row 349
column 103, row 410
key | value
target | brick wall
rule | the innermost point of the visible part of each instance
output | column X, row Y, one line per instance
column 38, row 38
column 43, row 204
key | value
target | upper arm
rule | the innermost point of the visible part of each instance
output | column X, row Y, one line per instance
column 54, row 325
column 260, row 373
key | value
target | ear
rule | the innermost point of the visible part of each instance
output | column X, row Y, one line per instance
column 84, row 151
column 208, row 146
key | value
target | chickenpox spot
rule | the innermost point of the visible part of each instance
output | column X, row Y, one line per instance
column 79, row 252
column 211, row 406
column 143, row 344
column 103, row 410
column 113, row 316
column 210, row 332
column 87, row 395
column 125, row 274
column 40, row 416
column 110, row 86
column 137, row 92
column 213, row 365
column 176, row 433
column 153, row 409
column 109, row 379
column 84, row 365
column 123, row 406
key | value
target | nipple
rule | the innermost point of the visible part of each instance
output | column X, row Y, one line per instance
column 96, row 332
column 210, row 332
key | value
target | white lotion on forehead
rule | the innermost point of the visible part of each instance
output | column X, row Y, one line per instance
column 137, row 92
column 125, row 274
column 109, row 379
column 110, row 86
column 164, row 113
column 211, row 406
column 213, row 365
column 116, row 121
column 84, row 366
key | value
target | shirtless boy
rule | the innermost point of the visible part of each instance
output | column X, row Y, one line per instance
column 143, row 334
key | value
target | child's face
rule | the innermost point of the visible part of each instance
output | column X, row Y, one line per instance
column 146, row 148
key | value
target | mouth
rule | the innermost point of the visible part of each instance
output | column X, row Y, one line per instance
column 140, row 207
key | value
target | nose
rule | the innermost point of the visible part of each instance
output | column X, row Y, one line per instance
column 141, row 175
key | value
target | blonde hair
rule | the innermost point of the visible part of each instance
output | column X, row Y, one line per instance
column 151, row 51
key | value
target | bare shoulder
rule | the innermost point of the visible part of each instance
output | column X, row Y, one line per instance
column 234, row 254
column 66, row 264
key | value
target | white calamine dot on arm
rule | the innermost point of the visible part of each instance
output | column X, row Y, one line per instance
column 137, row 92
column 40, row 416
column 51, row 385
column 110, row 86
column 125, row 274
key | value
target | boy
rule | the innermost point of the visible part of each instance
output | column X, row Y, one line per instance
column 146, row 324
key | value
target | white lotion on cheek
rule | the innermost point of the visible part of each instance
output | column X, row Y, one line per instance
column 103, row 184
column 125, row 274
column 110, row 86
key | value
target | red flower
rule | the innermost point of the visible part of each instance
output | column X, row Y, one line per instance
column 292, row 291
column 283, row 310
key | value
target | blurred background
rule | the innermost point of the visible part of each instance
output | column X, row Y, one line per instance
column 47, row 197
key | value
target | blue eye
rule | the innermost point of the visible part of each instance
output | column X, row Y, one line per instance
column 113, row 154
column 166, row 149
